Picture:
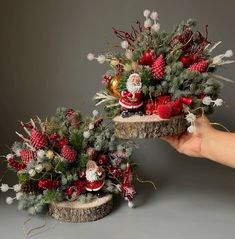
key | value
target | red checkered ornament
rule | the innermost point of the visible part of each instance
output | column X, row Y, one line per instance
column 38, row 139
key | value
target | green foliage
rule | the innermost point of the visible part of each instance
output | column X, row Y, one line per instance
column 22, row 177
column 83, row 159
column 76, row 139
column 183, row 41
column 50, row 196
column 122, row 84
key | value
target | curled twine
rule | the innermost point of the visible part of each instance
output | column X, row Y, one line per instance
column 218, row 124
column 28, row 233
column 211, row 123
column 146, row 181
column 73, row 196
column 4, row 174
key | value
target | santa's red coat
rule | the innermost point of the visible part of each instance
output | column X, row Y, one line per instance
column 130, row 100
column 94, row 186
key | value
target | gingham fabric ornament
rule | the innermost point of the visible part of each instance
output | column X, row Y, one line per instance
column 27, row 155
column 38, row 139
column 199, row 66
column 68, row 153
column 158, row 67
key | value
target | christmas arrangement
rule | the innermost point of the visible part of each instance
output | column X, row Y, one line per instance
column 68, row 158
column 161, row 75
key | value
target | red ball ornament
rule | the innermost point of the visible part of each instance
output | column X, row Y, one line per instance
column 194, row 58
column 186, row 60
column 147, row 58
column 69, row 191
column 63, row 142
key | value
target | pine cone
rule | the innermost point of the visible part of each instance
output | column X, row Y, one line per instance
column 38, row 139
column 199, row 66
column 29, row 187
column 68, row 153
column 27, row 155
column 158, row 68
column 74, row 120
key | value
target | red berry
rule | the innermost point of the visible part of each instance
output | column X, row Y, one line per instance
column 194, row 58
column 63, row 142
column 69, row 113
column 186, row 61
column 53, row 136
column 147, row 58
column 141, row 61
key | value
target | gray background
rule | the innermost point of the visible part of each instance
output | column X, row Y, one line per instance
column 43, row 48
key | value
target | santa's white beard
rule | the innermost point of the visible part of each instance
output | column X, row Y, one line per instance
column 133, row 88
column 91, row 175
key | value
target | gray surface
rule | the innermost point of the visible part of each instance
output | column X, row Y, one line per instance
column 43, row 47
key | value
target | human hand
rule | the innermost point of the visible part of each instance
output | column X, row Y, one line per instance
column 193, row 144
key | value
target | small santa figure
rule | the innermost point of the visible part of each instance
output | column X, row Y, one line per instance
column 94, row 176
column 131, row 98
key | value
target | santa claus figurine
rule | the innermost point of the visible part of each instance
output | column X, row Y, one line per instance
column 94, row 177
column 131, row 98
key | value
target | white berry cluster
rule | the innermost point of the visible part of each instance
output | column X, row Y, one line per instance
column 100, row 58
column 17, row 188
column 208, row 101
column 151, row 19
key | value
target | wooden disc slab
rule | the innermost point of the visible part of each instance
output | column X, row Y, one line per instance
column 148, row 126
column 82, row 212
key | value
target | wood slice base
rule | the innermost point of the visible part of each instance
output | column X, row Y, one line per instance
column 82, row 212
column 148, row 126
